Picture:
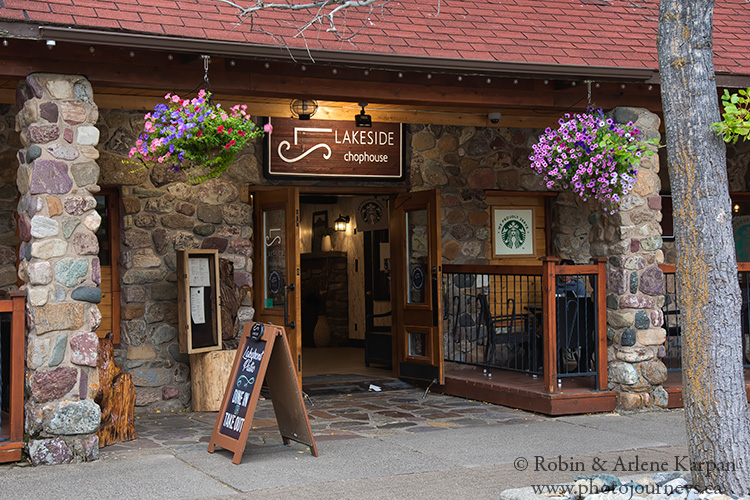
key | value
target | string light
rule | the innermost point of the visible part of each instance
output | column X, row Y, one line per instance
column 400, row 75
column 367, row 72
column 460, row 78
column 429, row 76
column 267, row 65
column 303, row 68
column 232, row 63
column 170, row 57
column 334, row 71
column 515, row 81
column 132, row 53
column 489, row 80
column 92, row 49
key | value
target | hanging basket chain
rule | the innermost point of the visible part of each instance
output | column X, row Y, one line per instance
column 206, row 62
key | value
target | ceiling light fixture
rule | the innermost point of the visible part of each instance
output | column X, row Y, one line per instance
column 303, row 109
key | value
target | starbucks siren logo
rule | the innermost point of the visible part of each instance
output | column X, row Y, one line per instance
column 513, row 234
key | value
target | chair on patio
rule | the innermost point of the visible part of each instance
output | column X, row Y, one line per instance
column 500, row 329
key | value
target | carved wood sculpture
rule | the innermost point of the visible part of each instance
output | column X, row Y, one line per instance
column 116, row 397
column 231, row 299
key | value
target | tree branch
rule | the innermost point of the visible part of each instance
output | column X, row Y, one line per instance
column 326, row 12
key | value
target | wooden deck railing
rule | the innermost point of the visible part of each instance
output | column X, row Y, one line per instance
column 12, row 431
column 507, row 317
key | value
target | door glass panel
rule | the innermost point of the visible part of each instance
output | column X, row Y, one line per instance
column 102, row 234
column 274, row 232
column 417, row 258
column 417, row 343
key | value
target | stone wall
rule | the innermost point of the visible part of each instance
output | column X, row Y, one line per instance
column 56, row 177
column 327, row 272
column 631, row 239
column 161, row 215
column 463, row 162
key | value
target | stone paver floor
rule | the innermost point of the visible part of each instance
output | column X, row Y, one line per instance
column 348, row 416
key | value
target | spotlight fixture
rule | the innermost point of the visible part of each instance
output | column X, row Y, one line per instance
column 340, row 223
column 362, row 119
column 303, row 109
column 51, row 44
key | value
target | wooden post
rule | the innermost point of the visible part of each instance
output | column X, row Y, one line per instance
column 549, row 323
column 601, row 322
column 10, row 450
column 17, row 364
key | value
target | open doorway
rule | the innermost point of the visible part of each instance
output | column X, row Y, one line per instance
column 346, row 296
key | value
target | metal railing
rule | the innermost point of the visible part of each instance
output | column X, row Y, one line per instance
column 671, row 355
column 544, row 320
column 489, row 318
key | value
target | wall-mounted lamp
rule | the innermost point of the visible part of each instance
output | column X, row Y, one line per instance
column 736, row 208
column 340, row 223
column 363, row 120
column 303, row 109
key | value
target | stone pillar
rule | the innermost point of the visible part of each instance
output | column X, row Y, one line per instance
column 57, row 175
column 631, row 239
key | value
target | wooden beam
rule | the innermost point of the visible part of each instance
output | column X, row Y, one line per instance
column 408, row 93
column 108, row 98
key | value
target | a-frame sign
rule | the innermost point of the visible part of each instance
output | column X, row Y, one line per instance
column 263, row 353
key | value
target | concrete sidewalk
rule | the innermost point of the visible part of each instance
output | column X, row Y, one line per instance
column 392, row 445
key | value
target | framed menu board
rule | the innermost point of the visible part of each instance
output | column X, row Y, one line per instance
column 198, row 301
column 263, row 354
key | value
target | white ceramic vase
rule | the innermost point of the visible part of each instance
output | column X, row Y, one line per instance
column 325, row 244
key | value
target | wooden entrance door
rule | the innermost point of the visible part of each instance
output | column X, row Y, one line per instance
column 417, row 282
column 108, row 235
column 277, row 265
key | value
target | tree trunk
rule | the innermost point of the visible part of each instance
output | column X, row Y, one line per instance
column 716, row 410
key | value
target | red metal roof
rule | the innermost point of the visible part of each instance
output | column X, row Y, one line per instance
column 610, row 33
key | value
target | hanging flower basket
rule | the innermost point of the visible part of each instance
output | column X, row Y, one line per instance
column 195, row 136
column 592, row 155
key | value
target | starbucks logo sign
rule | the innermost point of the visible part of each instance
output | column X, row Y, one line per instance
column 372, row 214
column 513, row 232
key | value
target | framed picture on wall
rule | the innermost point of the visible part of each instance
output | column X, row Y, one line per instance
column 319, row 226
column 513, row 232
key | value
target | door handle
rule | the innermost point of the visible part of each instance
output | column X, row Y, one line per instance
column 288, row 323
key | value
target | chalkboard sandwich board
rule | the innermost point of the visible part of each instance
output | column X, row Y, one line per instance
column 263, row 354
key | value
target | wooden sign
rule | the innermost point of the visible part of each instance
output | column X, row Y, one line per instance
column 334, row 149
column 263, row 353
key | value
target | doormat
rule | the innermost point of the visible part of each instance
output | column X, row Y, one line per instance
column 324, row 385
